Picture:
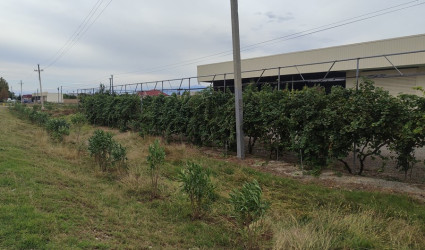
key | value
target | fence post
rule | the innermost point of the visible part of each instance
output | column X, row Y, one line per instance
column 278, row 79
column 224, row 83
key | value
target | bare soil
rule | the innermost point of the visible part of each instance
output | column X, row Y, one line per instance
column 376, row 176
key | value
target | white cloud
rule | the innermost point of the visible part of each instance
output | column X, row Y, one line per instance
column 142, row 36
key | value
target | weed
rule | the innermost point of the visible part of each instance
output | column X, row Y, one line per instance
column 155, row 160
column 197, row 185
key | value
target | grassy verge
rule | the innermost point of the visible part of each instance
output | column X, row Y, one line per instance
column 53, row 197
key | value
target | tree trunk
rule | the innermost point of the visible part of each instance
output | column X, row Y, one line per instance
column 346, row 166
column 361, row 165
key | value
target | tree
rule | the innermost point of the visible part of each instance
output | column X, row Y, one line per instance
column 274, row 119
column 375, row 120
column 411, row 134
column 341, row 134
column 253, row 123
column 311, row 121
column 4, row 89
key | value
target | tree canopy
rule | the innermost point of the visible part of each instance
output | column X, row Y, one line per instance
column 4, row 89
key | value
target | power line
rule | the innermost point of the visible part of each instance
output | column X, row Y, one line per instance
column 322, row 28
column 75, row 34
column 81, row 31
column 334, row 25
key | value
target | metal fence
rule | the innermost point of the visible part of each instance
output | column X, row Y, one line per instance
column 196, row 83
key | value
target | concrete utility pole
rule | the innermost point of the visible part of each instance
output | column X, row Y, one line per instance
column 58, row 95
column 41, row 89
column 61, row 95
column 112, row 83
column 237, row 80
column 22, row 99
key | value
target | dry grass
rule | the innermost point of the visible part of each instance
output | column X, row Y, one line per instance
column 72, row 204
column 334, row 229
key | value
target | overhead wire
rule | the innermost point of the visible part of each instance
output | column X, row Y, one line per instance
column 81, row 30
column 322, row 28
column 75, row 34
column 282, row 38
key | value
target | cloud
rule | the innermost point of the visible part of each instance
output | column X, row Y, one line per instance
column 273, row 17
column 143, row 35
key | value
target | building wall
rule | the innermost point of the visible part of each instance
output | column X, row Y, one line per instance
column 388, row 46
column 395, row 85
column 53, row 97
column 420, row 80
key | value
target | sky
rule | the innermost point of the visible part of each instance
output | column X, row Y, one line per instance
column 80, row 43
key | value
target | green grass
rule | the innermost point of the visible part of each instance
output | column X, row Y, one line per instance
column 52, row 197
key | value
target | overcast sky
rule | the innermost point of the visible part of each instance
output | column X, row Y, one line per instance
column 148, row 40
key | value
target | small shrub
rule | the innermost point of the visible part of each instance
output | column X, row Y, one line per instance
column 155, row 160
column 119, row 155
column 57, row 128
column 247, row 203
column 38, row 117
column 197, row 185
column 78, row 120
column 49, row 106
column 106, row 151
column 36, row 107
column 248, row 208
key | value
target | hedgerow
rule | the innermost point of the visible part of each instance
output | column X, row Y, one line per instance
column 56, row 127
column 317, row 126
column 111, row 110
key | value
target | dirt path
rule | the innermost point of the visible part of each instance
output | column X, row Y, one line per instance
column 329, row 178
column 337, row 180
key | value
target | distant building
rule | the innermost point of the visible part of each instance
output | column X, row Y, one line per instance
column 153, row 92
column 398, row 72
column 27, row 98
column 47, row 97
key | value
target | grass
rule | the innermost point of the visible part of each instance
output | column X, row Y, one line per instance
column 53, row 197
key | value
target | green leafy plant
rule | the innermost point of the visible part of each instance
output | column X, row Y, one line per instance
column 39, row 117
column 247, row 204
column 411, row 134
column 155, row 160
column 111, row 110
column 78, row 120
column 57, row 128
column 119, row 155
column 248, row 207
column 196, row 183
column 106, row 151
column 318, row 125
column 376, row 119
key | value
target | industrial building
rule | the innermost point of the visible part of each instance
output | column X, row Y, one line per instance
column 397, row 65
column 47, row 97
